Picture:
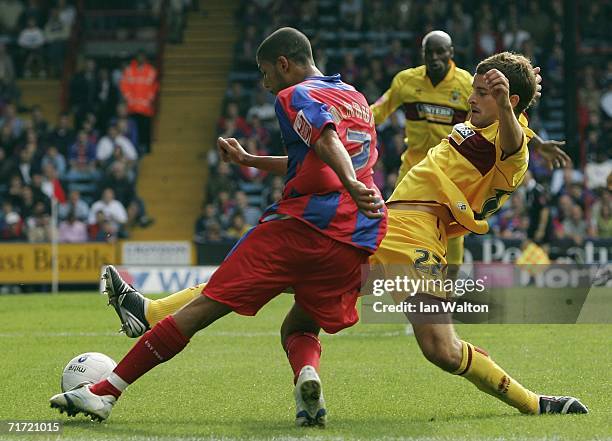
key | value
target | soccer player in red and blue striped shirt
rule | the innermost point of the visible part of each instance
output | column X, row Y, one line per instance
column 315, row 239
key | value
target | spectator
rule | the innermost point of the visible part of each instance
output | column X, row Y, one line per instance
column 208, row 215
column 75, row 205
column 575, row 227
column 238, row 95
column 540, row 218
column 562, row 178
column 55, row 158
column 67, row 13
column 72, row 229
column 139, row 88
column 598, row 170
column 108, row 232
column 38, row 123
column 262, row 109
column 11, row 120
column 130, row 130
column 39, row 224
column 83, row 89
column 7, row 67
column 26, row 166
column 487, row 40
column 232, row 124
column 31, row 41
column 251, row 214
column 56, row 37
column 238, row 227
column 62, row 136
column 221, row 180
column 601, row 216
column 9, row 19
column 51, row 185
column 514, row 37
column 13, row 229
column 82, row 155
column 125, row 192
column 112, row 141
column 214, row 234
column 112, row 209
column 253, row 174
column 107, row 96
column 351, row 13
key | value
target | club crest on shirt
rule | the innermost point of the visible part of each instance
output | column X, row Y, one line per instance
column 461, row 205
column 455, row 95
column 461, row 132
column 302, row 127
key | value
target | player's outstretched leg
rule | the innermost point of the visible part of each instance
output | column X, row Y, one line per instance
column 160, row 344
column 441, row 346
column 299, row 337
column 138, row 313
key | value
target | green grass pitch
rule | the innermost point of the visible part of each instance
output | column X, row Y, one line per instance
column 233, row 381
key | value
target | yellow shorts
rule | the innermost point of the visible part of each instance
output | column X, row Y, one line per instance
column 414, row 247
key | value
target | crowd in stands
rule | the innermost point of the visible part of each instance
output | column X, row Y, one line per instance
column 86, row 161
column 35, row 34
column 368, row 42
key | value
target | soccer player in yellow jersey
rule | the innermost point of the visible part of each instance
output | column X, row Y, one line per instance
column 434, row 97
column 461, row 182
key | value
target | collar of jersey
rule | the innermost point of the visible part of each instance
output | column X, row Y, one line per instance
column 334, row 77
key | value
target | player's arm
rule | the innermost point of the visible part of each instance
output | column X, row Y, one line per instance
column 330, row 150
column 551, row 151
column 510, row 131
column 388, row 102
column 231, row 151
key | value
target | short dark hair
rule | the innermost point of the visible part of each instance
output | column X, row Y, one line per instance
column 518, row 70
column 287, row 42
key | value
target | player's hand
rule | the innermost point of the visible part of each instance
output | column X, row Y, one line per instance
column 553, row 153
column 367, row 200
column 231, row 151
column 499, row 88
column 536, row 72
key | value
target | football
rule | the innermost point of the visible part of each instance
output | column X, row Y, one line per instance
column 89, row 367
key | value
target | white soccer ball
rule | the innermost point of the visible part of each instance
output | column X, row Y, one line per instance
column 86, row 368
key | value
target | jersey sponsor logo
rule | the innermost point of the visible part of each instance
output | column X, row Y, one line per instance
column 435, row 113
column 461, row 205
column 302, row 127
column 461, row 132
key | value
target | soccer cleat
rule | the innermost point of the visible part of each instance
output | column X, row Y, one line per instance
column 129, row 304
column 82, row 400
column 309, row 402
column 561, row 405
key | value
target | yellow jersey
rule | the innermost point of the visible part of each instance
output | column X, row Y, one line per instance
column 468, row 173
column 430, row 111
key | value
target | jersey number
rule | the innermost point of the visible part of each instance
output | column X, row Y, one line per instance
column 360, row 158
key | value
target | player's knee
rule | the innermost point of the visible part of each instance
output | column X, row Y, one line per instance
column 444, row 353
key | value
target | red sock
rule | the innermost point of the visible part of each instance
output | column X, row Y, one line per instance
column 158, row 345
column 105, row 388
column 303, row 348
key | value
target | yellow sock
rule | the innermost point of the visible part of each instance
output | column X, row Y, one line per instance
column 477, row 367
column 159, row 309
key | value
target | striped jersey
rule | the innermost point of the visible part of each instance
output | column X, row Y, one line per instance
column 313, row 192
column 468, row 173
column 431, row 111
